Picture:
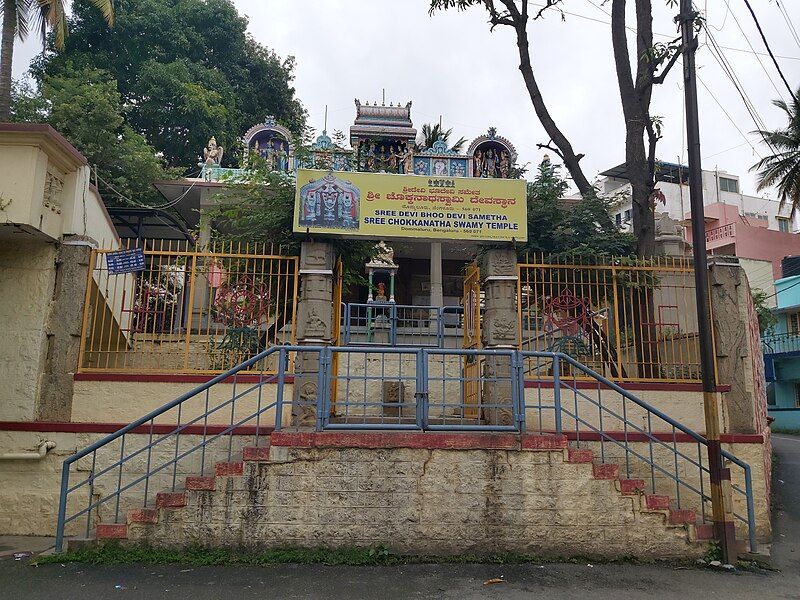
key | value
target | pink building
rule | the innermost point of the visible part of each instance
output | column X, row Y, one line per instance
column 730, row 233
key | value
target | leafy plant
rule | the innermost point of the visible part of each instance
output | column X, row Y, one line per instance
column 766, row 318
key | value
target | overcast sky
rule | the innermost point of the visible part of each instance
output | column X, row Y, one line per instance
column 452, row 65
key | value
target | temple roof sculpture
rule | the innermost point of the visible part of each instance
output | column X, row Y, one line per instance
column 373, row 121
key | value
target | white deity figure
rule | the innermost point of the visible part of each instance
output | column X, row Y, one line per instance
column 212, row 154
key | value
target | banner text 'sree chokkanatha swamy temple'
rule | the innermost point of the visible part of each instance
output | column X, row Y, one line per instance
column 382, row 205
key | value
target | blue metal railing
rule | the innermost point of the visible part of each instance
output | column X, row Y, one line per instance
column 209, row 418
column 409, row 325
column 413, row 388
column 780, row 343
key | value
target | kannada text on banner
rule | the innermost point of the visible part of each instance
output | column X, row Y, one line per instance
column 379, row 205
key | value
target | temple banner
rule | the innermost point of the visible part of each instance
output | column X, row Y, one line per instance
column 379, row 205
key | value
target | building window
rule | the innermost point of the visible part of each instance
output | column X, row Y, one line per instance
column 628, row 215
column 618, row 219
column 797, row 395
column 794, row 323
column 784, row 225
column 728, row 185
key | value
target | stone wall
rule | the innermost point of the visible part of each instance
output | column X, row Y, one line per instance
column 457, row 495
column 29, row 494
column 27, row 279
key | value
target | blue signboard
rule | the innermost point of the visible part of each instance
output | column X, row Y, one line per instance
column 125, row 261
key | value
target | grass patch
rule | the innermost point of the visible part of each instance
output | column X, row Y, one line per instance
column 115, row 553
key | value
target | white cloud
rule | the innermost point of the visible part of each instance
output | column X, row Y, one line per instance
column 451, row 65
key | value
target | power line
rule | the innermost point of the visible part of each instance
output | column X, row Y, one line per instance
column 758, row 58
column 657, row 34
column 789, row 23
column 766, row 44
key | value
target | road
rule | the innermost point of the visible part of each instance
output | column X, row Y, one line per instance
column 462, row 582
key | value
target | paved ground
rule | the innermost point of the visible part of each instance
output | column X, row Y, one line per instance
column 462, row 582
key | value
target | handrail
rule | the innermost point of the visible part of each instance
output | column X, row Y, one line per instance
column 748, row 491
column 179, row 427
column 421, row 376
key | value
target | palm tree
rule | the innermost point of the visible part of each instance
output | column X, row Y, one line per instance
column 431, row 133
column 782, row 169
column 18, row 18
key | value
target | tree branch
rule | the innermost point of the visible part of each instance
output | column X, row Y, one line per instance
column 566, row 152
column 659, row 79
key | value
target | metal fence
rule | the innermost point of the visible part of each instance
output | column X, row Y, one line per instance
column 187, row 310
column 630, row 320
column 407, row 325
column 780, row 343
column 396, row 388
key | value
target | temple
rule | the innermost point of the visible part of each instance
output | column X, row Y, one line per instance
column 382, row 139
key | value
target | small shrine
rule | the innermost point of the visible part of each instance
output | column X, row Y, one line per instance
column 325, row 154
column 383, row 138
column 492, row 155
column 441, row 161
column 383, row 262
column 272, row 142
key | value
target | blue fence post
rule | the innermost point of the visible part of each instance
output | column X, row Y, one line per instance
column 323, row 378
column 421, row 392
column 279, row 392
column 346, row 324
column 62, row 505
column 393, row 325
column 518, row 390
column 751, row 511
column 557, row 392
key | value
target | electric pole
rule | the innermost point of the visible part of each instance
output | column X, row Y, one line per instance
column 724, row 531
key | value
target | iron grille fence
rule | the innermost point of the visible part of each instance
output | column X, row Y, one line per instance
column 780, row 343
column 630, row 320
column 188, row 310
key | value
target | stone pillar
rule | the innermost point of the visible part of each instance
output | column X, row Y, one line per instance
column 740, row 362
column 63, row 329
column 314, row 327
column 437, row 297
column 499, row 330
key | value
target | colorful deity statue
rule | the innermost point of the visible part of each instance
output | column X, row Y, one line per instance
column 212, row 154
column 505, row 165
column 478, row 169
column 490, row 163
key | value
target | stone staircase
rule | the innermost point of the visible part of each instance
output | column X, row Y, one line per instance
column 418, row 492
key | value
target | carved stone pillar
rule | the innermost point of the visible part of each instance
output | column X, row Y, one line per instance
column 740, row 362
column 314, row 327
column 499, row 330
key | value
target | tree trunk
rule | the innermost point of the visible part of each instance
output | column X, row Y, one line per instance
column 568, row 155
column 6, row 56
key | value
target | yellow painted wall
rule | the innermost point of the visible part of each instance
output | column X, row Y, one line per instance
column 125, row 401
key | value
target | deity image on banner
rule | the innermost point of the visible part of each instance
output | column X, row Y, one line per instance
column 329, row 202
column 440, row 167
column 422, row 166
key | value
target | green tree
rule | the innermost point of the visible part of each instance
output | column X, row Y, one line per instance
column 558, row 226
column 262, row 210
column 185, row 70
column 782, row 168
column 85, row 106
column 431, row 133
column 19, row 16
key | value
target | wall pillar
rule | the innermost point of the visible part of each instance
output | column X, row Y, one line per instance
column 63, row 329
column 314, row 328
column 740, row 362
column 499, row 331
column 437, row 296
